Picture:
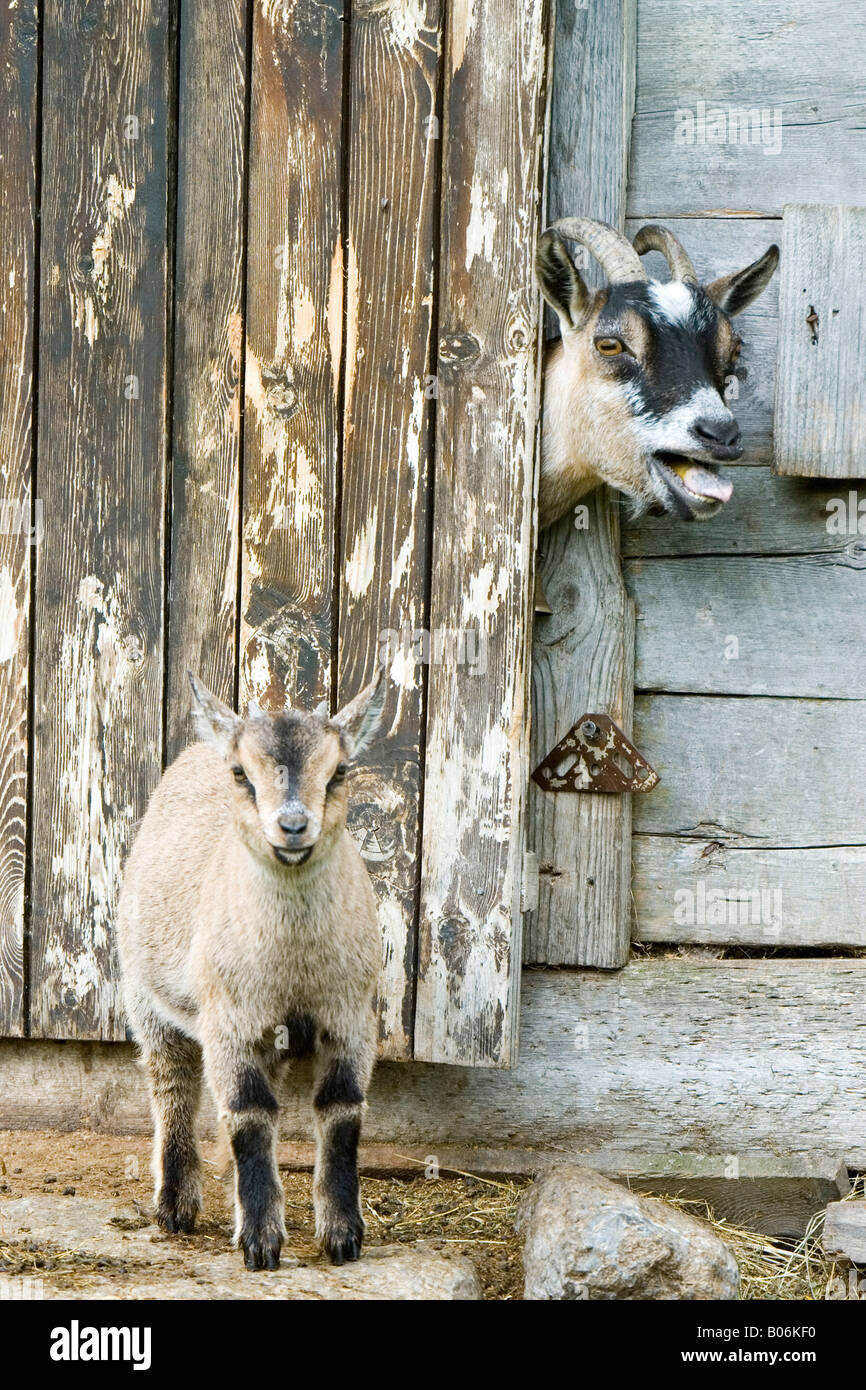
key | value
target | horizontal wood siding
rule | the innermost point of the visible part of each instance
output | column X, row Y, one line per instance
column 676, row 1058
column 754, row 771
column 704, row 891
column 797, row 64
column 765, row 600
column 703, row 625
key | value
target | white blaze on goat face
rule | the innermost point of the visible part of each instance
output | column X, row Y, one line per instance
column 634, row 388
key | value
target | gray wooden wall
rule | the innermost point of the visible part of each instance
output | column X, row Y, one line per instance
column 751, row 628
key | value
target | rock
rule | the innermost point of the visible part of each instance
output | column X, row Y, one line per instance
column 588, row 1237
column 148, row 1264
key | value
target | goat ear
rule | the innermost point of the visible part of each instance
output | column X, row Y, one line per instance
column 215, row 723
column 359, row 720
column 735, row 292
column 560, row 281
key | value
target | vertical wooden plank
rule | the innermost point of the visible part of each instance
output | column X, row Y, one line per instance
column 819, row 427
column 583, row 652
column 294, row 347
column 102, row 416
column 209, row 269
column 469, row 947
column 19, row 80
column 393, row 176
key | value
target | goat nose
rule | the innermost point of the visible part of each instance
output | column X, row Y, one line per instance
column 294, row 824
column 718, row 431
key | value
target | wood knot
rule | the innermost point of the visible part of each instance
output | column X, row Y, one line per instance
column 458, row 348
column 281, row 396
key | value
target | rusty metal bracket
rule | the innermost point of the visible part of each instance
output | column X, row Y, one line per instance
column 590, row 758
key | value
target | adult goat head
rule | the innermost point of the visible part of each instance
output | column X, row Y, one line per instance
column 634, row 387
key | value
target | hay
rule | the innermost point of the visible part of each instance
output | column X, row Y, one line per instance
column 458, row 1212
column 778, row 1270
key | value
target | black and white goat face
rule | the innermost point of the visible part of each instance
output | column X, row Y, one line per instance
column 635, row 388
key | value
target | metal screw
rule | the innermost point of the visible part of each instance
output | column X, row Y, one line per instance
column 589, row 729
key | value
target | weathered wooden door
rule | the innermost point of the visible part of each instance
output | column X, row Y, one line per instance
column 287, row 357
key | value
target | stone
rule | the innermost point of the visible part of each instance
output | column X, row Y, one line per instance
column 145, row 1263
column 589, row 1238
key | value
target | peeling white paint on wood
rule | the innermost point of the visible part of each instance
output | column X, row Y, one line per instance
column 462, row 27
column 99, row 610
column 18, row 239
column 476, row 756
column 361, row 563
column 11, row 616
column 335, row 314
column 294, row 332
column 481, row 230
column 303, row 317
column 393, row 173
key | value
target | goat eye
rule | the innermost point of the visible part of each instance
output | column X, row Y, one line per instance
column 239, row 775
column 339, row 773
column 609, row 347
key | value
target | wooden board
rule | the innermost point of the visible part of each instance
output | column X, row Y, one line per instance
column 704, row 891
column 797, row 62
column 18, row 83
column 98, row 671
column 208, row 342
column 767, row 515
column 755, row 772
column 820, row 420
column 752, row 626
column 477, row 745
column 718, row 245
column 583, row 653
column 393, row 178
column 845, row 1231
column 294, row 331
column 721, row 1060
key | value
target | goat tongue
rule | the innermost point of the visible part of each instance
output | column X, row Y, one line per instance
column 704, row 483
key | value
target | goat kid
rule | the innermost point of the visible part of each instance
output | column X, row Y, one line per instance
column 634, row 388
column 248, row 937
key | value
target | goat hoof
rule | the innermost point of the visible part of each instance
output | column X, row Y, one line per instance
column 344, row 1246
column 262, row 1252
column 176, row 1222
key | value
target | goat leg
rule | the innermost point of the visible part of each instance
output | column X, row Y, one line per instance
column 249, row 1111
column 342, row 1077
column 174, row 1070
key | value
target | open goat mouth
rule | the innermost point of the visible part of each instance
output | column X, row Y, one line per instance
column 293, row 856
column 693, row 488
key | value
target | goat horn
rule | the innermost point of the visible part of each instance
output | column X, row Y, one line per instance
column 653, row 238
column 614, row 252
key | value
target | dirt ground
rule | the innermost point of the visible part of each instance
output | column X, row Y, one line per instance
column 468, row 1216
